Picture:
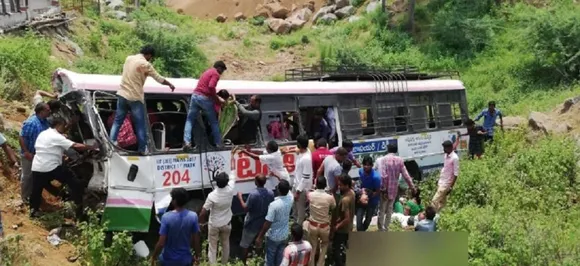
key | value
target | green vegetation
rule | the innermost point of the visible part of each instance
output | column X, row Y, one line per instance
column 519, row 203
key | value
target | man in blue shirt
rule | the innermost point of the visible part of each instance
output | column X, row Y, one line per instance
column 490, row 116
column 370, row 182
column 31, row 128
column 178, row 233
column 428, row 224
column 277, row 225
column 257, row 208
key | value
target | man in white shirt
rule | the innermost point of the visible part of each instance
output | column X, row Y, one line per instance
column 303, row 178
column 47, row 164
column 219, row 204
column 273, row 159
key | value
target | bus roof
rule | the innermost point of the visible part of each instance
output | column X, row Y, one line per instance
column 93, row 82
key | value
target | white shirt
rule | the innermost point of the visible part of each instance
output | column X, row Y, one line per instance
column 332, row 169
column 275, row 164
column 50, row 147
column 219, row 204
column 303, row 172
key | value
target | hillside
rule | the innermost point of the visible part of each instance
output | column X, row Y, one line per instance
column 522, row 54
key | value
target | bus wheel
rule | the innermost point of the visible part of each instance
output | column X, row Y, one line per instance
column 414, row 170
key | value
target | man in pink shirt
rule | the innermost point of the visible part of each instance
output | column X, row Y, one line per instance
column 318, row 156
column 390, row 168
column 203, row 98
column 448, row 176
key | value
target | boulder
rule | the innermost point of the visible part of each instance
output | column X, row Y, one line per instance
column 323, row 11
column 341, row 3
column 221, row 18
column 513, row 122
column 115, row 4
column 345, row 12
column 279, row 26
column 568, row 104
column 310, row 5
column 296, row 23
column 239, row 16
column 538, row 121
column 262, row 11
column 278, row 10
column 293, row 8
column 328, row 18
column 302, row 14
column 372, row 6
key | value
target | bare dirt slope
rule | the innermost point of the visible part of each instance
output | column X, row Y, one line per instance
column 212, row 8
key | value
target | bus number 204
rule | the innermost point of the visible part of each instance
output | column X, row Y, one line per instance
column 175, row 178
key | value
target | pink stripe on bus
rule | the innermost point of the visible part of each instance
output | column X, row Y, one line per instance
column 122, row 201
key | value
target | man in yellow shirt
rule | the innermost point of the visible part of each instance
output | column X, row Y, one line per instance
column 131, row 96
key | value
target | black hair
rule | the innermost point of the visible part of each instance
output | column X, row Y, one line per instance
column 225, row 94
column 319, row 111
column 430, row 213
column 341, row 151
column 222, row 180
column 272, row 146
column 57, row 121
column 491, row 103
column 345, row 180
column 297, row 232
column 411, row 221
column 367, row 160
column 392, row 148
column 302, row 141
column 417, row 196
column 54, row 105
column 220, row 64
column 447, row 143
column 320, row 182
column 179, row 197
column 148, row 50
column 346, row 166
column 321, row 142
column 40, row 107
column 347, row 144
column 284, row 187
column 469, row 122
column 258, row 98
column 261, row 180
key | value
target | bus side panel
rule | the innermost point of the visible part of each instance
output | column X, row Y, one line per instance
column 128, row 210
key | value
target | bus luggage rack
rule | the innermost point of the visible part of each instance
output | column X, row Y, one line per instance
column 387, row 80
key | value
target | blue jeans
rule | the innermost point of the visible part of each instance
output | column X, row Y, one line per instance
column 366, row 214
column 274, row 252
column 137, row 114
column 197, row 103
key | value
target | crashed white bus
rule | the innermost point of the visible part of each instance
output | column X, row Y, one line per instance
column 372, row 108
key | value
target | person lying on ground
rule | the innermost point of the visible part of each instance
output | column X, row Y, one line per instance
column 429, row 223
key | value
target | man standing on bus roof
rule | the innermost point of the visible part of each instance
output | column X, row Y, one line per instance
column 390, row 168
column 203, row 98
column 490, row 116
column 131, row 95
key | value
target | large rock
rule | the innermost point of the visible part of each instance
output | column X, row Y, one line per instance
column 302, row 14
column 310, row 5
column 323, row 11
column 115, row 4
column 372, row 6
column 279, row 26
column 341, row 3
column 345, row 12
column 538, row 121
column 239, row 16
column 513, row 122
column 221, row 18
column 296, row 23
column 278, row 10
column 262, row 11
column 568, row 104
column 328, row 18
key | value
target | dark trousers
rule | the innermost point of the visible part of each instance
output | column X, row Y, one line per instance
column 339, row 246
column 364, row 216
column 40, row 180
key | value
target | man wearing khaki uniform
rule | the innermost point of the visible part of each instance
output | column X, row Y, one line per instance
column 318, row 225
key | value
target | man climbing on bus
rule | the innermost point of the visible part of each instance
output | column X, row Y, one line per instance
column 131, row 96
column 203, row 98
column 250, row 115
column 274, row 160
column 490, row 116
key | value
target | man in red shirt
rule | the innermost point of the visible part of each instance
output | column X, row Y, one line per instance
column 318, row 155
column 203, row 98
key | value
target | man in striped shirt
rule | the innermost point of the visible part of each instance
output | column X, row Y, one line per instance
column 297, row 253
column 390, row 168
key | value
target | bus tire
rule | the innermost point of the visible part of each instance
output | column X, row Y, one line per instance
column 414, row 171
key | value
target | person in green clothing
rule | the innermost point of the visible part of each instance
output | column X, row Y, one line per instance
column 398, row 208
column 413, row 205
